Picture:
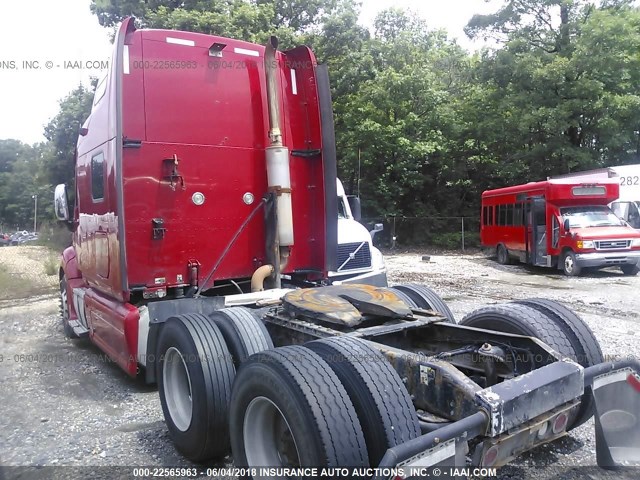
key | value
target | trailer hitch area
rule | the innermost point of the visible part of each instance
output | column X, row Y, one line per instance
column 450, row 446
column 516, row 401
column 512, row 417
column 345, row 304
column 616, row 390
column 500, row 450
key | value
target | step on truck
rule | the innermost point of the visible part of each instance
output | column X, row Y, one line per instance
column 204, row 227
column 561, row 223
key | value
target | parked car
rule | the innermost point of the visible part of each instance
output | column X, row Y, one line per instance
column 4, row 239
column 22, row 236
column 30, row 237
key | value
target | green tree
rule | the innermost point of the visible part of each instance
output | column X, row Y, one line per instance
column 10, row 151
column 560, row 95
column 401, row 123
column 19, row 182
column 252, row 21
column 57, row 163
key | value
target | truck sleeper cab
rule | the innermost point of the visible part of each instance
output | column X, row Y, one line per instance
column 559, row 223
column 204, row 230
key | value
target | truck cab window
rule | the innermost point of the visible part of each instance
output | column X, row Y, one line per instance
column 101, row 88
column 97, row 176
column 342, row 211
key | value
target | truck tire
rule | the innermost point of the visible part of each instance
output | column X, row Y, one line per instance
column 583, row 341
column 630, row 269
column 243, row 332
column 195, row 375
column 502, row 255
column 404, row 297
column 569, row 265
column 289, row 408
column 64, row 308
column 382, row 403
column 525, row 320
column 426, row 298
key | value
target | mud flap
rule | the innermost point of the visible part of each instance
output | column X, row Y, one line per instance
column 617, row 401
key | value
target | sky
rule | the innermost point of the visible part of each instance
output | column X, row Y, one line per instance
column 48, row 48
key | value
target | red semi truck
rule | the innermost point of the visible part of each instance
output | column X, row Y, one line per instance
column 559, row 223
column 204, row 228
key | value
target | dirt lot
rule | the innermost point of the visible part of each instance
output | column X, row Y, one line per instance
column 65, row 404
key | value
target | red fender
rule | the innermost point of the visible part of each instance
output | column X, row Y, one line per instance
column 69, row 267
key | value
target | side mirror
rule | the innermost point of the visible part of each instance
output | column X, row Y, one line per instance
column 566, row 225
column 83, row 131
column 378, row 227
column 356, row 208
column 61, row 203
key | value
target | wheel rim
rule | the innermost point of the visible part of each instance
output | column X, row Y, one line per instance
column 568, row 263
column 268, row 440
column 177, row 389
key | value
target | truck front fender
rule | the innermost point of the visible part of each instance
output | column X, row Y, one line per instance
column 69, row 268
column 69, row 264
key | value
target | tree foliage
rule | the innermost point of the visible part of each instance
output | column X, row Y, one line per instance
column 20, row 181
column 62, row 134
column 561, row 93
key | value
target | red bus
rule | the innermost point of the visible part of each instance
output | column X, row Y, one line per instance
column 559, row 224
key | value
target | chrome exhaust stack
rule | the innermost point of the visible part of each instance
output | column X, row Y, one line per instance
column 277, row 158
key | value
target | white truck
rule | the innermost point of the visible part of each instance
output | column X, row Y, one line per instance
column 358, row 260
column 627, row 206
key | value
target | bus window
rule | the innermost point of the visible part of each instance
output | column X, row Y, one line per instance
column 517, row 215
column 502, row 214
column 595, row 216
column 509, row 219
column 541, row 217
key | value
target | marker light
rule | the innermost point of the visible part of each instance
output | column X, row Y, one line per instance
column 197, row 198
column 248, row 198
column 560, row 423
column 490, row 456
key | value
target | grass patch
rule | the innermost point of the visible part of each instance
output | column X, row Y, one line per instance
column 54, row 236
column 14, row 286
column 51, row 265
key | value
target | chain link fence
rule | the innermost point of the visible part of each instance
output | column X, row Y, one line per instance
column 453, row 233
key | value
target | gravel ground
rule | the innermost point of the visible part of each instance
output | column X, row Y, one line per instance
column 64, row 403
